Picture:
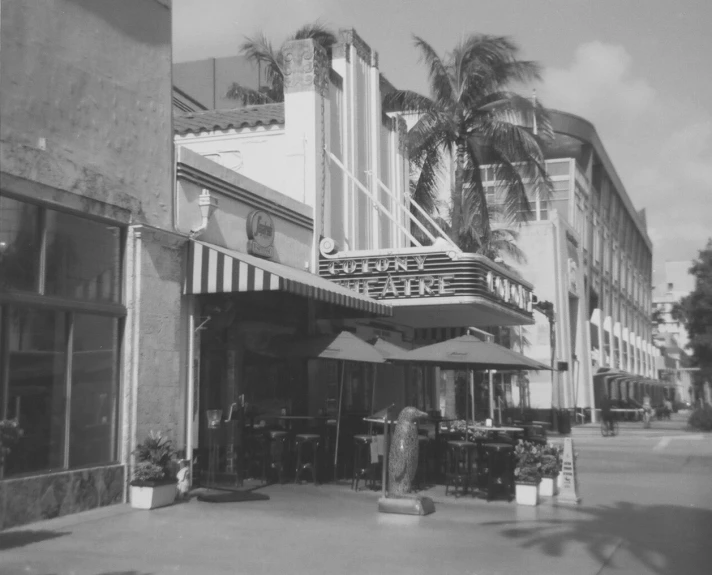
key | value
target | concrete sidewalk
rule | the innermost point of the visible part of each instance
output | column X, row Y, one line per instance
column 644, row 511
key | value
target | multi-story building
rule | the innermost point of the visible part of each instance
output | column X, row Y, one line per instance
column 677, row 283
column 669, row 333
column 86, row 249
column 587, row 252
column 329, row 152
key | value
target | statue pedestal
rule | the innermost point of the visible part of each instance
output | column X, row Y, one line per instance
column 416, row 505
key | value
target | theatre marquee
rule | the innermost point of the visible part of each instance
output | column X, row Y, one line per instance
column 421, row 277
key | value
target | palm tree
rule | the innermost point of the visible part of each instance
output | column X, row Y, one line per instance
column 259, row 51
column 472, row 115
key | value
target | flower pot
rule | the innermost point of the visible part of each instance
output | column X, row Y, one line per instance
column 548, row 487
column 150, row 497
column 527, row 493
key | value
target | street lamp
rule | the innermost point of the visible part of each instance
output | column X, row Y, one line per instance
column 546, row 308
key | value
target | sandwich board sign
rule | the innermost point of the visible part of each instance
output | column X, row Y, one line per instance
column 568, row 493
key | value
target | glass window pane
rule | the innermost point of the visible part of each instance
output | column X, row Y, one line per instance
column 37, row 342
column 557, row 168
column 19, row 244
column 94, row 390
column 83, row 258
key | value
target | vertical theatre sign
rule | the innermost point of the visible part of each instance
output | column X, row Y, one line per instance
column 426, row 275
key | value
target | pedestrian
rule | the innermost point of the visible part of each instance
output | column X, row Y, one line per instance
column 606, row 413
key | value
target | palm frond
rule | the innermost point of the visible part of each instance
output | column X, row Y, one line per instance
column 426, row 188
column 259, row 51
column 249, row 96
column 441, row 88
column 318, row 32
column 406, row 101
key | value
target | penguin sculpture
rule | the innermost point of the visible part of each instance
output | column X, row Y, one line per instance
column 403, row 454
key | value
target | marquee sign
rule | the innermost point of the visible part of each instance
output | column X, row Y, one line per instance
column 426, row 275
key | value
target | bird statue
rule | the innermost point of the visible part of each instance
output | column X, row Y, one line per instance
column 403, row 454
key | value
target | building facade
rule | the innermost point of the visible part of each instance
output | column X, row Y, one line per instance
column 587, row 252
column 330, row 149
column 669, row 333
column 89, row 261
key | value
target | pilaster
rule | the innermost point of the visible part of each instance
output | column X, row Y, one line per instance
column 306, row 88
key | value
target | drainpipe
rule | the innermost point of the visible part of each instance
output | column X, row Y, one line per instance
column 208, row 205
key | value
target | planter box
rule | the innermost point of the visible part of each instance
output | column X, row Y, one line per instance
column 144, row 497
column 548, row 486
column 527, row 493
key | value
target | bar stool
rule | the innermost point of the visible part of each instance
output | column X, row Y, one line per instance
column 501, row 470
column 460, row 459
column 482, row 474
column 363, row 468
column 257, row 455
column 305, row 442
column 279, row 451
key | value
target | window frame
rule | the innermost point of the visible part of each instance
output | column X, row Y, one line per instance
column 37, row 300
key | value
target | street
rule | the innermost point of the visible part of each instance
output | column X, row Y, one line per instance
column 647, row 508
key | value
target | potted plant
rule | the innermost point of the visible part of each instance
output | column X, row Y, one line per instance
column 550, row 469
column 10, row 434
column 527, row 473
column 153, row 484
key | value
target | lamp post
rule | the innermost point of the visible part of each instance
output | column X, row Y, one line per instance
column 546, row 308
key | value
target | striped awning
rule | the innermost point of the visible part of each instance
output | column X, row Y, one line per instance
column 213, row 269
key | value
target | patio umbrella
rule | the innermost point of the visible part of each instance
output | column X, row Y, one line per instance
column 343, row 347
column 473, row 353
column 387, row 349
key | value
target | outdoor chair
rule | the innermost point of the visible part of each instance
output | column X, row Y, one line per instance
column 460, row 460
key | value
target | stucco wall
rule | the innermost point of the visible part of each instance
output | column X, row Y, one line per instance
column 237, row 196
column 86, row 101
column 256, row 153
column 162, row 349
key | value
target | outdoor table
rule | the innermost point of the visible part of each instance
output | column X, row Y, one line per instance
column 504, row 428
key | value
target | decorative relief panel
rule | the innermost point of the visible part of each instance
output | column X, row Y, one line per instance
column 306, row 67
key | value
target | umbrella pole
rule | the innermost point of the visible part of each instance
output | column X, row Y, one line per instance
column 373, row 396
column 338, row 419
column 471, row 373
column 491, row 395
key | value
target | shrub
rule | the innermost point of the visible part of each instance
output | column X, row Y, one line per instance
column 154, row 457
column 701, row 418
column 528, row 463
column 551, row 460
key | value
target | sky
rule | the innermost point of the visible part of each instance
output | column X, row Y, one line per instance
column 639, row 70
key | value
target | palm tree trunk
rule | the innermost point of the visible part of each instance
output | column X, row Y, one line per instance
column 457, row 190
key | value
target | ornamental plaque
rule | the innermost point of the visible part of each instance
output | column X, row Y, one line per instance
column 260, row 233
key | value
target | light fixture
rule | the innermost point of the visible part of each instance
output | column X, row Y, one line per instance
column 207, row 204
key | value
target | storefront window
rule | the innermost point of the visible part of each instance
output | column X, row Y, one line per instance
column 83, row 258
column 19, row 245
column 81, row 261
column 34, row 390
column 94, row 377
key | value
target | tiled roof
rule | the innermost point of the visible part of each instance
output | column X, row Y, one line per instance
column 245, row 117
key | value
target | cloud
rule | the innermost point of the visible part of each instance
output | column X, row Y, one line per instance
column 661, row 149
column 600, row 81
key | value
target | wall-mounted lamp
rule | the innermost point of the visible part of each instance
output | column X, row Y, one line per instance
column 208, row 205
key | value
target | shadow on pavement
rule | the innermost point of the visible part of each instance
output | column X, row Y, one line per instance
column 12, row 539
column 666, row 539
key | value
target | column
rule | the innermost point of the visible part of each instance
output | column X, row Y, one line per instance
column 306, row 85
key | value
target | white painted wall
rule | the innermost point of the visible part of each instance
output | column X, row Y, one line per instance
column 258, row 153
